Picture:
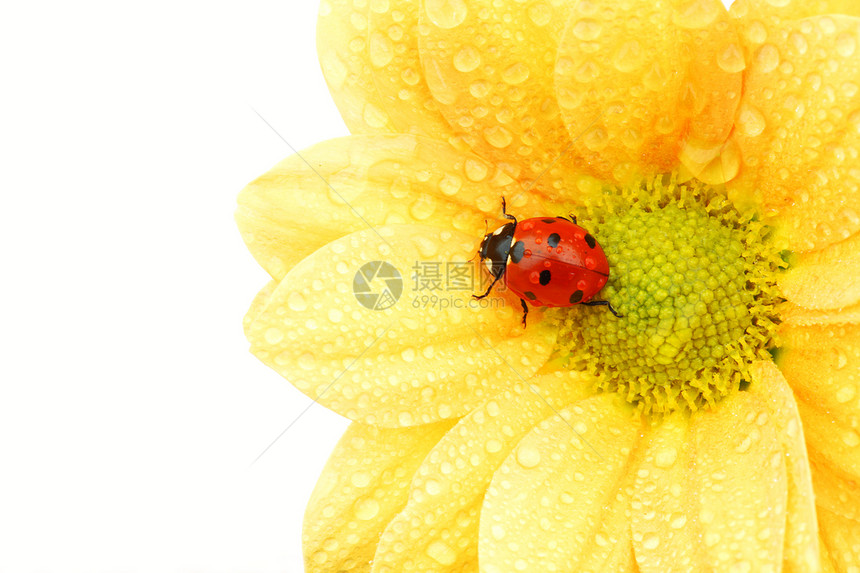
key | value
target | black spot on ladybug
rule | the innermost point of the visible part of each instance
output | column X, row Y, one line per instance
column 553, row 240
column 590, row 240
column 576, row 296
column 517, row 252
column 548, row 220
column 530, row 295
column 545, row 276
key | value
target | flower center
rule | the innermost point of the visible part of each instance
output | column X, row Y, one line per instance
column 695, row 282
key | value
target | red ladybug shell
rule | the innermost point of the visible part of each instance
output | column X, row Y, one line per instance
column 554, row 262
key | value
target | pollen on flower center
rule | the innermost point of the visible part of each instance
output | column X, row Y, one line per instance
column 695, row 283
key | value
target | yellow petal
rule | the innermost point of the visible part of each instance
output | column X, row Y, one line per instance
column 841, row 536
column 710, row 491
column 489, row 66
column 557, row 503
column 753, row 13
column 438, row 528
column 798, row 129
column 363, row 485
column 359, row 182
column 433, row 354
column 664, row 521
column 639, row 80
column 822, row 365
column 397, row 73
column 802, row 552
column 739, row 480
column 835, row 492
column 794, row 315
column 344, row 54
column 829, row 278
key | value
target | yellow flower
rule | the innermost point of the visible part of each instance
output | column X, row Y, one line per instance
column 702, row 148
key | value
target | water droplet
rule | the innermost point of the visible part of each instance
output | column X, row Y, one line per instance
column 374, row 116
column 405, row 419
column 731, row 59
column 678, row 520
column 756, row 32
column 766, row 58
column 696, row 14
column 423, row 207
column 379, row 6
column 381, row 50
column 359, row 479
column 408, row 354
column 587, row 29
column 432, row 487
column 846, row 394
column 498, row 136
column 665, row 457
column 476, row 170
column 437, row 82
column 442, row 553
column 366, row 509
column 846, row 45
column 540, row 14
column 493, row 446
column 628, row 57
column 446, row 14
column 467, row 59
column 335, row 315
column 306, row 361
column 410, row 76
column 587, row 72
column 296, row 301
column 798, row 43
column 711, row 539
column 497, row 531
column 851, row 438
column 650, row 541
column 750, row 121
column 516, row 74
column 528, row 456
column 274, row 335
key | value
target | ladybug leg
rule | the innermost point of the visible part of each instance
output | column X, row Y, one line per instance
column 492, row 284
column 603, row 303
column 505, row 213
column 525, row 311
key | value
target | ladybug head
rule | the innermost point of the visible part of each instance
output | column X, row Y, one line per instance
column 495, row 248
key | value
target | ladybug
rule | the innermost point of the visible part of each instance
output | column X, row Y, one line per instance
column 547, row 261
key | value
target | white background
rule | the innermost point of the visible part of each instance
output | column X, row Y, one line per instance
column 130, row 407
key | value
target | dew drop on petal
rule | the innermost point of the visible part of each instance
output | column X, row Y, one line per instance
column 467, row 59
column 366, row 509
column 766, row 58
column 750, row 121
column 442, row 553
column 446, row 14
column 498, row 136
column 274, row 335
column 528, row 456
column 731, row 59
column 650, row 541
column 696, row 14
column 296, row 301
column 516, row 74
column 360, row 479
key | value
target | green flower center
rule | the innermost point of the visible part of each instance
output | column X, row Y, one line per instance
column 695, row 283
